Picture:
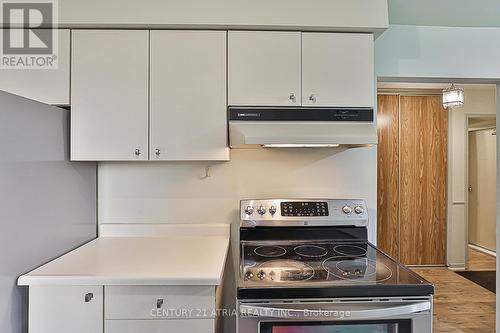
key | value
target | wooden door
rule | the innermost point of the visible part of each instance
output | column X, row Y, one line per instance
column 388, row 174
column 264, row 68
column 337, row 69
column 188, row 96
column 109, row 95
column 423, row 172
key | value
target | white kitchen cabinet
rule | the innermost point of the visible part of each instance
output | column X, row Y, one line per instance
column 337, row 69
column 63, row 309
column 109, row 95
column 188, row 96
column 160, row 326
column 264, row 68
column 148, row 302
column 49, row 86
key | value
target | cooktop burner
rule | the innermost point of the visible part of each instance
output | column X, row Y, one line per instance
column 311, row 251
column 350, row 250
column 357, row 269
column 285, row 271
column 270, row 251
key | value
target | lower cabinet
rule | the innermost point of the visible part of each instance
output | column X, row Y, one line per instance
column 160, row 326
column 63, row 309
column 121, row 309
column 159, row 302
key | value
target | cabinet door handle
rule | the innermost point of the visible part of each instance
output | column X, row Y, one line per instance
column 159, row 303
column 137, row 152
column 157, row 152
column 88, row 297
column 292, row 97
column 312, row 98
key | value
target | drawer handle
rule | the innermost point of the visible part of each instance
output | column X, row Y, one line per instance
column 88, row 297
column 159, row 303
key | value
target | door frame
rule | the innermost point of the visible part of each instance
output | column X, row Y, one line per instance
column 466, row 203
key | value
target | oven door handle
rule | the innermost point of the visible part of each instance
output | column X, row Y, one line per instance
column 341, row 314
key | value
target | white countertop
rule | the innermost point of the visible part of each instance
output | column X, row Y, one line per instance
column 174, row 259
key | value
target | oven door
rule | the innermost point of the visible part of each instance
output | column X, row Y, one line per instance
column 368, row 316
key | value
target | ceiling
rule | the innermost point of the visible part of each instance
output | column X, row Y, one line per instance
column 454, row 13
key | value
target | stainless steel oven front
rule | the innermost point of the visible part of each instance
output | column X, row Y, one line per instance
column 377, row 315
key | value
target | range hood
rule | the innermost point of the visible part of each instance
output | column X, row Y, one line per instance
column 289, row 127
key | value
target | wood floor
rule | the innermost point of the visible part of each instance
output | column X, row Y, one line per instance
column 461, row 306
column 481, row 262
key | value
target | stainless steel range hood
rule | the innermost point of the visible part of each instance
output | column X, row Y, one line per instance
column 285, row 127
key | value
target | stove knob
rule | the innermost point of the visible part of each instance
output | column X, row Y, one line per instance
column 261, row 275
column 249, row 210
column 248, row 275
column 347, row 210
column 359, row 210
column 272, row 210
column 261, row 210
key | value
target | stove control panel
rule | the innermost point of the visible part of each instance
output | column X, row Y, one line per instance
column 303, row 212
column 304, row 208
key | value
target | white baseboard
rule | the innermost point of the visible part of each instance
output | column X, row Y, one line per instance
column 483, row 250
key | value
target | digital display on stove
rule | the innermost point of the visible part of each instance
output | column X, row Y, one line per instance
column 304, row 208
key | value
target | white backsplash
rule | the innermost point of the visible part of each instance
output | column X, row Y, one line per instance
column 178, row 192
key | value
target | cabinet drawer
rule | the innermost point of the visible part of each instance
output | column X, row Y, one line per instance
column 159, row 326
column 159, row 302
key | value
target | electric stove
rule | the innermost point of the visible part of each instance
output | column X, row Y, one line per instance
column 301, row 255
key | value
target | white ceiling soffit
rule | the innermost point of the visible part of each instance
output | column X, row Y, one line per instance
column 318, row 15
column 452, row 13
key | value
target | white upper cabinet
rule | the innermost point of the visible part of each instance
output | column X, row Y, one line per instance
column 188, row 95
column 264, row 68
column 337, row 69
column 109, row 95
column 49, row 86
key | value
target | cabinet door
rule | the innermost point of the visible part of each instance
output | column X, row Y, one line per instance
column 188, row 95
column 50, row 86
column 337, row 69
column 109, row 95
column 63, row 309
column 264, row 68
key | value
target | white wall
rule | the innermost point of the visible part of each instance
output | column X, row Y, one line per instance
column 176, row 192
column 480, row 100
column 461, row 13
column 438, row 52
column 482, row 178
column 498, row 209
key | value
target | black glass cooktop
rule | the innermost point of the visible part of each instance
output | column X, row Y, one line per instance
column 324, row 268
